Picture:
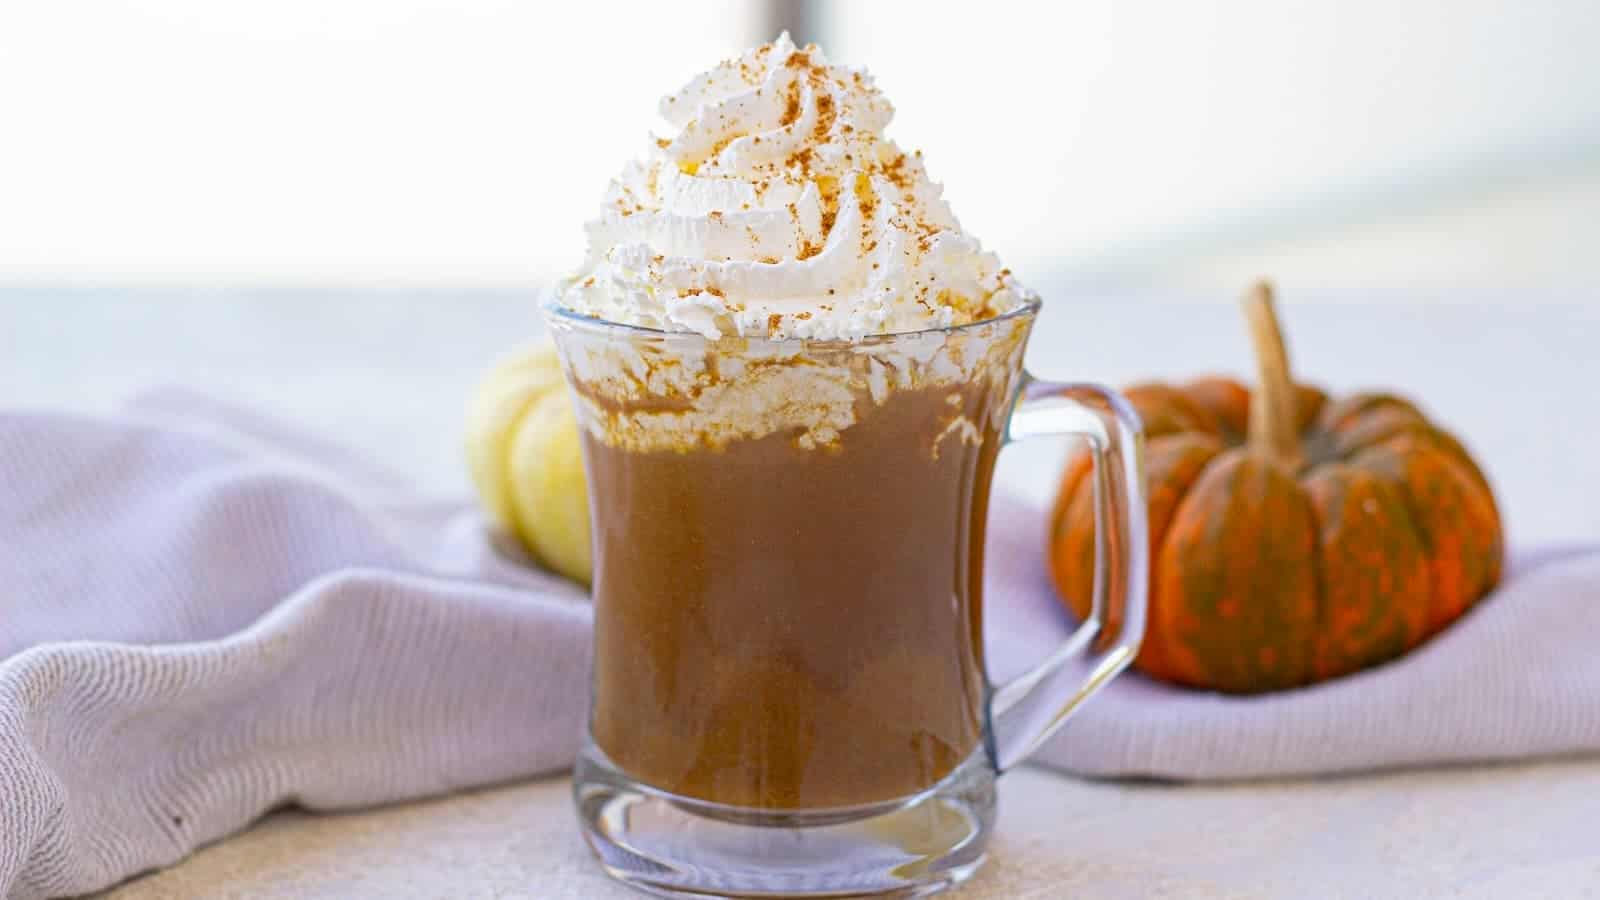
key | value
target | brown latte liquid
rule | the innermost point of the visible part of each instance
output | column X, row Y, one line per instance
column 785, row 627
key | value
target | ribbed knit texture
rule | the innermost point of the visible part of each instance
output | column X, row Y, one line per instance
column 205, row 615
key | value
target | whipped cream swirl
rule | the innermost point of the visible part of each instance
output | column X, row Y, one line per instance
column 779, row 210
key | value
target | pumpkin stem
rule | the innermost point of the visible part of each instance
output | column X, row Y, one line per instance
column 1272, row 405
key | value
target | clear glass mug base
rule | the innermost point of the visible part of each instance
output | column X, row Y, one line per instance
column 674, row 846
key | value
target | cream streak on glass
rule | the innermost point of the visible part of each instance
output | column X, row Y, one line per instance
column 780, row 210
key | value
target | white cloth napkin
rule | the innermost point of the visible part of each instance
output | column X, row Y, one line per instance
column 205, row 615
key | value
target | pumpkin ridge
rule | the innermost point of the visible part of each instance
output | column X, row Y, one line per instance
column 1165, row 410
column 1441, row 498
column 1490, row 560
column 1290, row 621
column 1321, row 604
column 1206, row 563
column 1459, row 455
column 1226, row 400
column 1177, row 580
column 1176, row 463
column 1339, row 413
column 1373, row 570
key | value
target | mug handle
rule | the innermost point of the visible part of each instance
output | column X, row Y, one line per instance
column 1027, row 710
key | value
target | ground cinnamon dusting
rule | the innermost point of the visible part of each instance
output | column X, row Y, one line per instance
column 829, row 188
column 826, row 113
column 895, row 171
column 800, row 159
column 868, row 203
column 721, row 145
column 791, row 105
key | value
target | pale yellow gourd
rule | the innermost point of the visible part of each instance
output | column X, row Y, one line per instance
column 522, row 448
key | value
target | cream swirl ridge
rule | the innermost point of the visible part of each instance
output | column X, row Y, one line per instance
column 779, row 209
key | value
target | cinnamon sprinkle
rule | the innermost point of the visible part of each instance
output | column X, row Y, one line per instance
column 791, row 105
column 867, row 201
column 826, row 113
column 895, row 171
column 829, row 188
column 801, row 159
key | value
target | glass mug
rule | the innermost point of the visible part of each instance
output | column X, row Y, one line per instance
column 789, row 692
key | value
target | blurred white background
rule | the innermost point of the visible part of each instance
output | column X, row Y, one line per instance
column 457, row 143
column 1336, row 144
column 327, row 142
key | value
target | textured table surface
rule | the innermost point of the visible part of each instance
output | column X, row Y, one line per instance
column 387, row 372
column 1490, row 832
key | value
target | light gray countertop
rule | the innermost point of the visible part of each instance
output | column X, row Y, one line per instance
column 1489, row 832
column 1518, row 378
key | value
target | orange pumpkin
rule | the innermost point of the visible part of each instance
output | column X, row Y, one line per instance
column 1293, row 538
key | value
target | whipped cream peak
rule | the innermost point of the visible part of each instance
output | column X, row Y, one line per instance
column 778, row 209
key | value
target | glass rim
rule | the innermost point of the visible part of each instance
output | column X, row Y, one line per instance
column 555, row 312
